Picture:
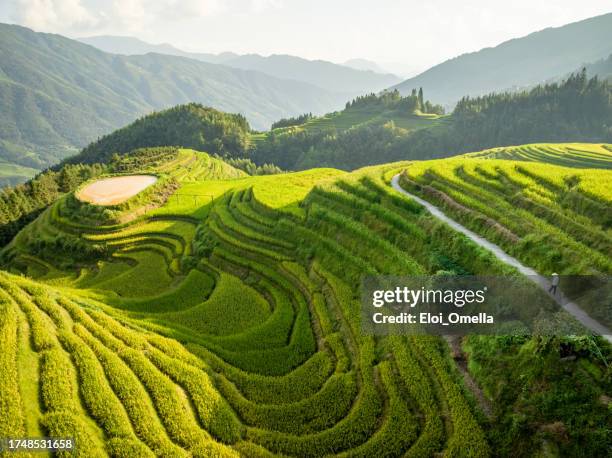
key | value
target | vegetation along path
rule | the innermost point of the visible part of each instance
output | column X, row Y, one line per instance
column 542, row 281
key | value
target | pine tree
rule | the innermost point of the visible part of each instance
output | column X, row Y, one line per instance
column 421, row 102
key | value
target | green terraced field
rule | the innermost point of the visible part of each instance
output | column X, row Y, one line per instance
column 579, row 155
column 356, row 117
column 553, row 218
column 225, row 322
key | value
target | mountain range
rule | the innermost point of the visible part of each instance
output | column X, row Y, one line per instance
column 326, row 75
column 57, row 94
column 364, row 64
column 517, row 63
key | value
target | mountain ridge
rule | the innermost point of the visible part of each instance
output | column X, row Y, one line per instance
column 518, row 62
column 321, row 73
column 59, row 94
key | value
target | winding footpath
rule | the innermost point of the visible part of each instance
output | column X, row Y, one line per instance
column 500, row 254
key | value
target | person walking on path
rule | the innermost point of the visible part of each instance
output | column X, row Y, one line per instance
column 553, row 284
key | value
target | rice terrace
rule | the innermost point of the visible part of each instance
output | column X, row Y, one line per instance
column 232, row 327
column 188, row 240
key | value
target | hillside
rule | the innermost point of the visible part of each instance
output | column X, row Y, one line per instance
column 517, row 63
column 364, row 64
column 207, row 129
column 375, row 129
column 57, row 95
column 326, row 75
column 361, row 134
column 329, row 76
column 12, row 174
column 129, row 46
column 225, row 319
column 21, row 204
column 190, row 126
column 602, row 68
column 576, row 155
column 577, row 109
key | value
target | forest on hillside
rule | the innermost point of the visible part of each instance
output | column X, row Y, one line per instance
column 579, row 107
column 576, row 109
column 190, row 126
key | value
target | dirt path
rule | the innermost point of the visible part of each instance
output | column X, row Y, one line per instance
column 113, row 191
column 500, row 254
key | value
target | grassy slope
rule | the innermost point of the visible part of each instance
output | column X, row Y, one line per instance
column 579, row 155
column 354, row 118
column 290, row 372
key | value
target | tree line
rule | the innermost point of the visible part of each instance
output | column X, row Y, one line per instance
column 294, row 121
column 395, row 101
column 248, row 166
column 578, row 108
column 21, row 204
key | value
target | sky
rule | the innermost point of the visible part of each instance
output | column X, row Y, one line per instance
column 402, row 36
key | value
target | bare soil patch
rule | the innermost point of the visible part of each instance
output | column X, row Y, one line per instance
column 115, row 190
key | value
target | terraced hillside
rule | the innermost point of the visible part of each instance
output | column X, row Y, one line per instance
column 341, row 121
column 579, row 155
column 564, row 211
column 553, row 218
column 348, row 119
column 58, row 236
column 225, row 321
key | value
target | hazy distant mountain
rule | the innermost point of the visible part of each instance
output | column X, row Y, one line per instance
column 326, row 75
column 129, row 46
column 602, row 68
column 519, row 62
column 58, row 94
column 364, row 64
